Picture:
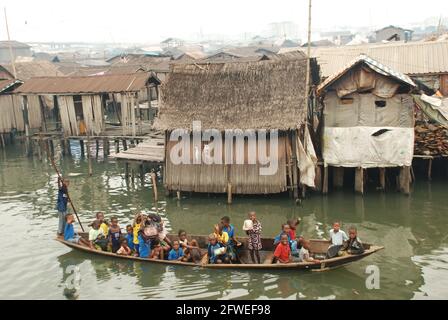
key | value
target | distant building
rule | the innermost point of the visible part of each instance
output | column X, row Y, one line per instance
column 286, row 29
column 19, row 50
column 172, row 43
column 392, row 33
column 338, row 37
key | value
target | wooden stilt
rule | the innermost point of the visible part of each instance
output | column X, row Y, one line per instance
column 295, row 168
column 405, row 177
column 382, row 178
column 126, row 171
column 318, row 179
column 81, row 145
column 142, row 175
column 97, row 148
column 51, row 143
column 229, row 193
column 359, row 180
column 338, row 177
column 105, row 148
column 178, row 194
column 2, row 140
column 89, row 157
column 117, row 146
column 325, row 183
column 430, row 169
column 125, row 145
column 412, row 175
column 154, row 186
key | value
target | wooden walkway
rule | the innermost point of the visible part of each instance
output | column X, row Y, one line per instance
column 150, row 150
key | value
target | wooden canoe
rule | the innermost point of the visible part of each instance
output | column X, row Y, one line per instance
column 318, row 247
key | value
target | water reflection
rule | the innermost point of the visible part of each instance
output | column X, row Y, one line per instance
column 413, row 229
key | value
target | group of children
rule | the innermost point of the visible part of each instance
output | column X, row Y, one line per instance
column 292, row 248
column 147, row 238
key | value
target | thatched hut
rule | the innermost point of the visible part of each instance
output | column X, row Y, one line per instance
column 235, row 98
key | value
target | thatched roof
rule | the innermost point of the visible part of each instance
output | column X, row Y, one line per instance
column 257, row 95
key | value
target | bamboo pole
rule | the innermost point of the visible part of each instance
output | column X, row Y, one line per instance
column 11, row 53
column 154, row 186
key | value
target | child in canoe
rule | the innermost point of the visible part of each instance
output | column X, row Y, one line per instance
column 216, row 251
column 353, row 245
column 176, row 253
column 285, row 231
column 104, row 225
column 124, row 249
column 97, row 239
column 130, row 236
column 135, row 230
column 114, row 235
column 69, row 232
column 253, row 229
column 304, row 253
column 192, row 253
column 338, row 237
column 282, row 253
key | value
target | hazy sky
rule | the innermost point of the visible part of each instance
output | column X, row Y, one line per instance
column 152, row 21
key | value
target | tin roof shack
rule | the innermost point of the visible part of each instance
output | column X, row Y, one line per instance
column 368, row 121
column 11, row 115
column 425, row 62
column 239, row 103
column 82, row 101
column 393, row 33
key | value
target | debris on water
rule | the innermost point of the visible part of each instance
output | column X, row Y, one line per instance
column 408, row 282
column 355, row 292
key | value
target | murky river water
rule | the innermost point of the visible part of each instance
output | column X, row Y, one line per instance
column 33, row 265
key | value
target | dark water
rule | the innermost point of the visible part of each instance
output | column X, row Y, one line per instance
column 33, row 265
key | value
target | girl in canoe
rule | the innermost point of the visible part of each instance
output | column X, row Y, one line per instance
column 253, row 230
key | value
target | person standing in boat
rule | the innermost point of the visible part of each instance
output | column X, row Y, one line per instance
column 62, row 203
column 232, row 244
column 253, row 229
column 338, row 237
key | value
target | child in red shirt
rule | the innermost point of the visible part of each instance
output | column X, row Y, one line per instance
column 293, row 223
column 282, row 253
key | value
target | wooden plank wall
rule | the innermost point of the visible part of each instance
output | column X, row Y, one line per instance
column 128, row 103
column 245, row 178
column 34, row 112
column 68, row 115
column 92, row 110
column 11, row 114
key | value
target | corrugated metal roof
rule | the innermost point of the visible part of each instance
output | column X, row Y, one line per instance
column 373, row 64
column 412, row 58
column 7, row 84
column 85, row 85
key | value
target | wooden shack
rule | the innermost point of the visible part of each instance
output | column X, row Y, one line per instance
column 11, row 115
column 368, row 122
column 240, row 97
column 81, row 101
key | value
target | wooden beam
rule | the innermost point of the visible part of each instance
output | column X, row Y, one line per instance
column 359, row 180
column 325, row 183
column 405, row 180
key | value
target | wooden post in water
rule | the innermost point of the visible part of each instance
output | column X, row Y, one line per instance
column 126, row 171
column 229, row 193
column 382, row 178
column 81, row 145
column 117, row 146
column 97, row 148
column 405, row 180
column 142, row 174
column 2, row 141
column 359, row 180
column 430, row 169
column 125, row 145
column 89, row 158
column 106, row 148
column 179, row 196
column 338, row 177
column 295, row 168
column 154, row 186
column 325, row 183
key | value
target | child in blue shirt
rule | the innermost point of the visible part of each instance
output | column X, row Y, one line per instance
column 176, row 252
column 69, row 232
column 130, row 237
column 213, row 246
column 285, row 230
